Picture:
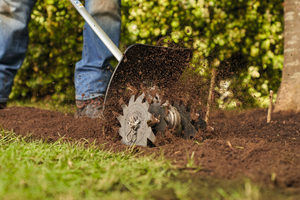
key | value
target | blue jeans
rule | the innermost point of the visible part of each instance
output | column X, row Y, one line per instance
column 92, row 72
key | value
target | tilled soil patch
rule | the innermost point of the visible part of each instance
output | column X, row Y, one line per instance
column 242, row 144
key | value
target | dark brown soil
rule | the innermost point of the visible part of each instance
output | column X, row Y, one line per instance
column 242, row 144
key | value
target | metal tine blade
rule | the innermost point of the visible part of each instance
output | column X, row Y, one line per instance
column 124, row 107
column 120, row 118
column 140, row 98
column 151, row 136
column 146, row 105
column 176, row 104
column 131, row 101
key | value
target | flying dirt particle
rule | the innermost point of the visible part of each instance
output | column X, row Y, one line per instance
column 210, row 129
column 82, row 94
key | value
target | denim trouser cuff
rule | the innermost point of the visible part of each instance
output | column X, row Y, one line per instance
column 3, row 100
column 88, row 97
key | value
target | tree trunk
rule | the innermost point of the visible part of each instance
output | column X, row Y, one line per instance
column 289, row 92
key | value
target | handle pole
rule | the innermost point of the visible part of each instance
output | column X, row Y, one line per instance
column 97, row 29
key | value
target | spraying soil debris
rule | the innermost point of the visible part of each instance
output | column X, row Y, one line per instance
column 147, row 71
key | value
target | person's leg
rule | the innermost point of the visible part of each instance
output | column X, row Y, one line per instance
column 14, row 18
column 93, row 72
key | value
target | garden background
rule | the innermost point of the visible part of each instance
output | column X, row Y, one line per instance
column 243, row 36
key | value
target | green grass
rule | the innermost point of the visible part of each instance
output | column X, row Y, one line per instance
column 40, row 170
column 31, row 169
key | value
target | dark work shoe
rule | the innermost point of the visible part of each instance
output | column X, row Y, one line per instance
column 92, row 108
column 2, row 105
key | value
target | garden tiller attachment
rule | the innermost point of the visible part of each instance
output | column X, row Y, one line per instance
column 145, row 65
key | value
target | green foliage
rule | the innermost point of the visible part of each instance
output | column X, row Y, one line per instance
column 245, row 37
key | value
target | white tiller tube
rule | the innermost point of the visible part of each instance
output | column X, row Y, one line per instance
column 98, row 30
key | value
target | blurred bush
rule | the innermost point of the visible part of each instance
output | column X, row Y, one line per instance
column 55, row 45
column 244, row 39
